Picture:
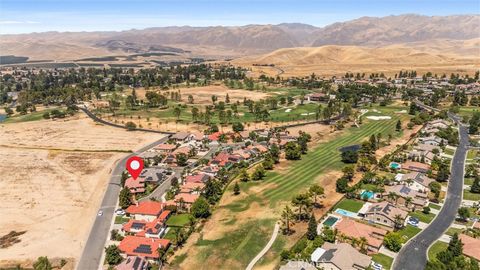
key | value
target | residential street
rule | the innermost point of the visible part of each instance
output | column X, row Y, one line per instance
column 413, row 255
column 92, row 251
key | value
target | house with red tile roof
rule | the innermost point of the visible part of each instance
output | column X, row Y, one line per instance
column 471, row 246
column 146, row 210
column 214, row 136
column 185, row 200
column 258, row 147
column 135, row 185
column 144, row 228
column 225, row 159
column 143, row 247
column 353, row 229
column 172, row 157
column 416, row 166
column 192, row 187
column 197, row 178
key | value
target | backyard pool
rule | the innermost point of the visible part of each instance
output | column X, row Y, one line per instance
column 346, row 213
column 395, row 165
column 330, row 221
column 366, row 194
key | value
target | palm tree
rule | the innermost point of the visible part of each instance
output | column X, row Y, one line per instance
column 363, row 244
column 316, row 191
column 287, row 219
column 354, row 242
column 398, row 221
column 408, row 201
column 161, row 256
column 302, row 202
column 392, row 196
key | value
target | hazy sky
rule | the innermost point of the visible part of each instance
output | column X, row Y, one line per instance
column 25, row 16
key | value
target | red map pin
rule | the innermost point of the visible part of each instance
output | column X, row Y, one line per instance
column 134, row 166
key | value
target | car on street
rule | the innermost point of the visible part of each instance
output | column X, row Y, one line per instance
column 100, row 213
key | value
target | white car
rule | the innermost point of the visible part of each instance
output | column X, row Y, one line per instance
column 376, row 266
column 120, row 212
column 100, row 213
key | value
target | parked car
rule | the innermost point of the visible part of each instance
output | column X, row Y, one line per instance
column 376, row 266
column 413, row 221
column 100, row 213
column 120, row 212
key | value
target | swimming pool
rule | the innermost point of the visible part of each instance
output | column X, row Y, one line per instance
column 330, row 221
column 346, row 213
column 395, row 165
column 367, row 194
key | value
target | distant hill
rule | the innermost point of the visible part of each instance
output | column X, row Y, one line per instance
column 228, row 41
column 398, row 29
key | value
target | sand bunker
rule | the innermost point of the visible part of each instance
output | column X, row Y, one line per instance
column 379, row 117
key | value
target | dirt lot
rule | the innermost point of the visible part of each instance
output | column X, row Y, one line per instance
column 51, row 191
column 203, row 95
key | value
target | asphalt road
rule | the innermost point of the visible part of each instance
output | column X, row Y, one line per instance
column 92, row 251
column 413, row 255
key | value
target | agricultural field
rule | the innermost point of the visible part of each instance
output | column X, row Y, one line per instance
column 242, row 225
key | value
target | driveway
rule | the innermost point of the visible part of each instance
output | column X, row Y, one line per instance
column 413, row 255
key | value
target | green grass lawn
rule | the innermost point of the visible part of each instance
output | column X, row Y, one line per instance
column 349, row 205
column 449, row 151
column 471, row 154
column 121, row 220
column 434, row 206
column 276, row 189
column 468, row 181
column 322, row 159
column 422, row 216
column 179, row 220
column 408, row 232
column 467, row 195
column 34, row 116
column 169, row 235
column 452, row 231
column 383, row 259
column 435, row 249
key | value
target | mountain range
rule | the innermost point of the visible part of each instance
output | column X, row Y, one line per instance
column 234, row 41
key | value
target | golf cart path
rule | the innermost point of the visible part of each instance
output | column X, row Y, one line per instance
column 265, row 249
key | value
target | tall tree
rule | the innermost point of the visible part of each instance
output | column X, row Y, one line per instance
column 312, row 228
column 287, row 219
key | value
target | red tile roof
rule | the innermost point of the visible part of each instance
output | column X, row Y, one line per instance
column 187, row 197
column 150, row 208
column 415, row 166
column 192, row 186
column 198, row 178
column 214, row 136
column 141, row 246
column 471, row 246
column 134, row 183
column 164, row 215
column 351, row 228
